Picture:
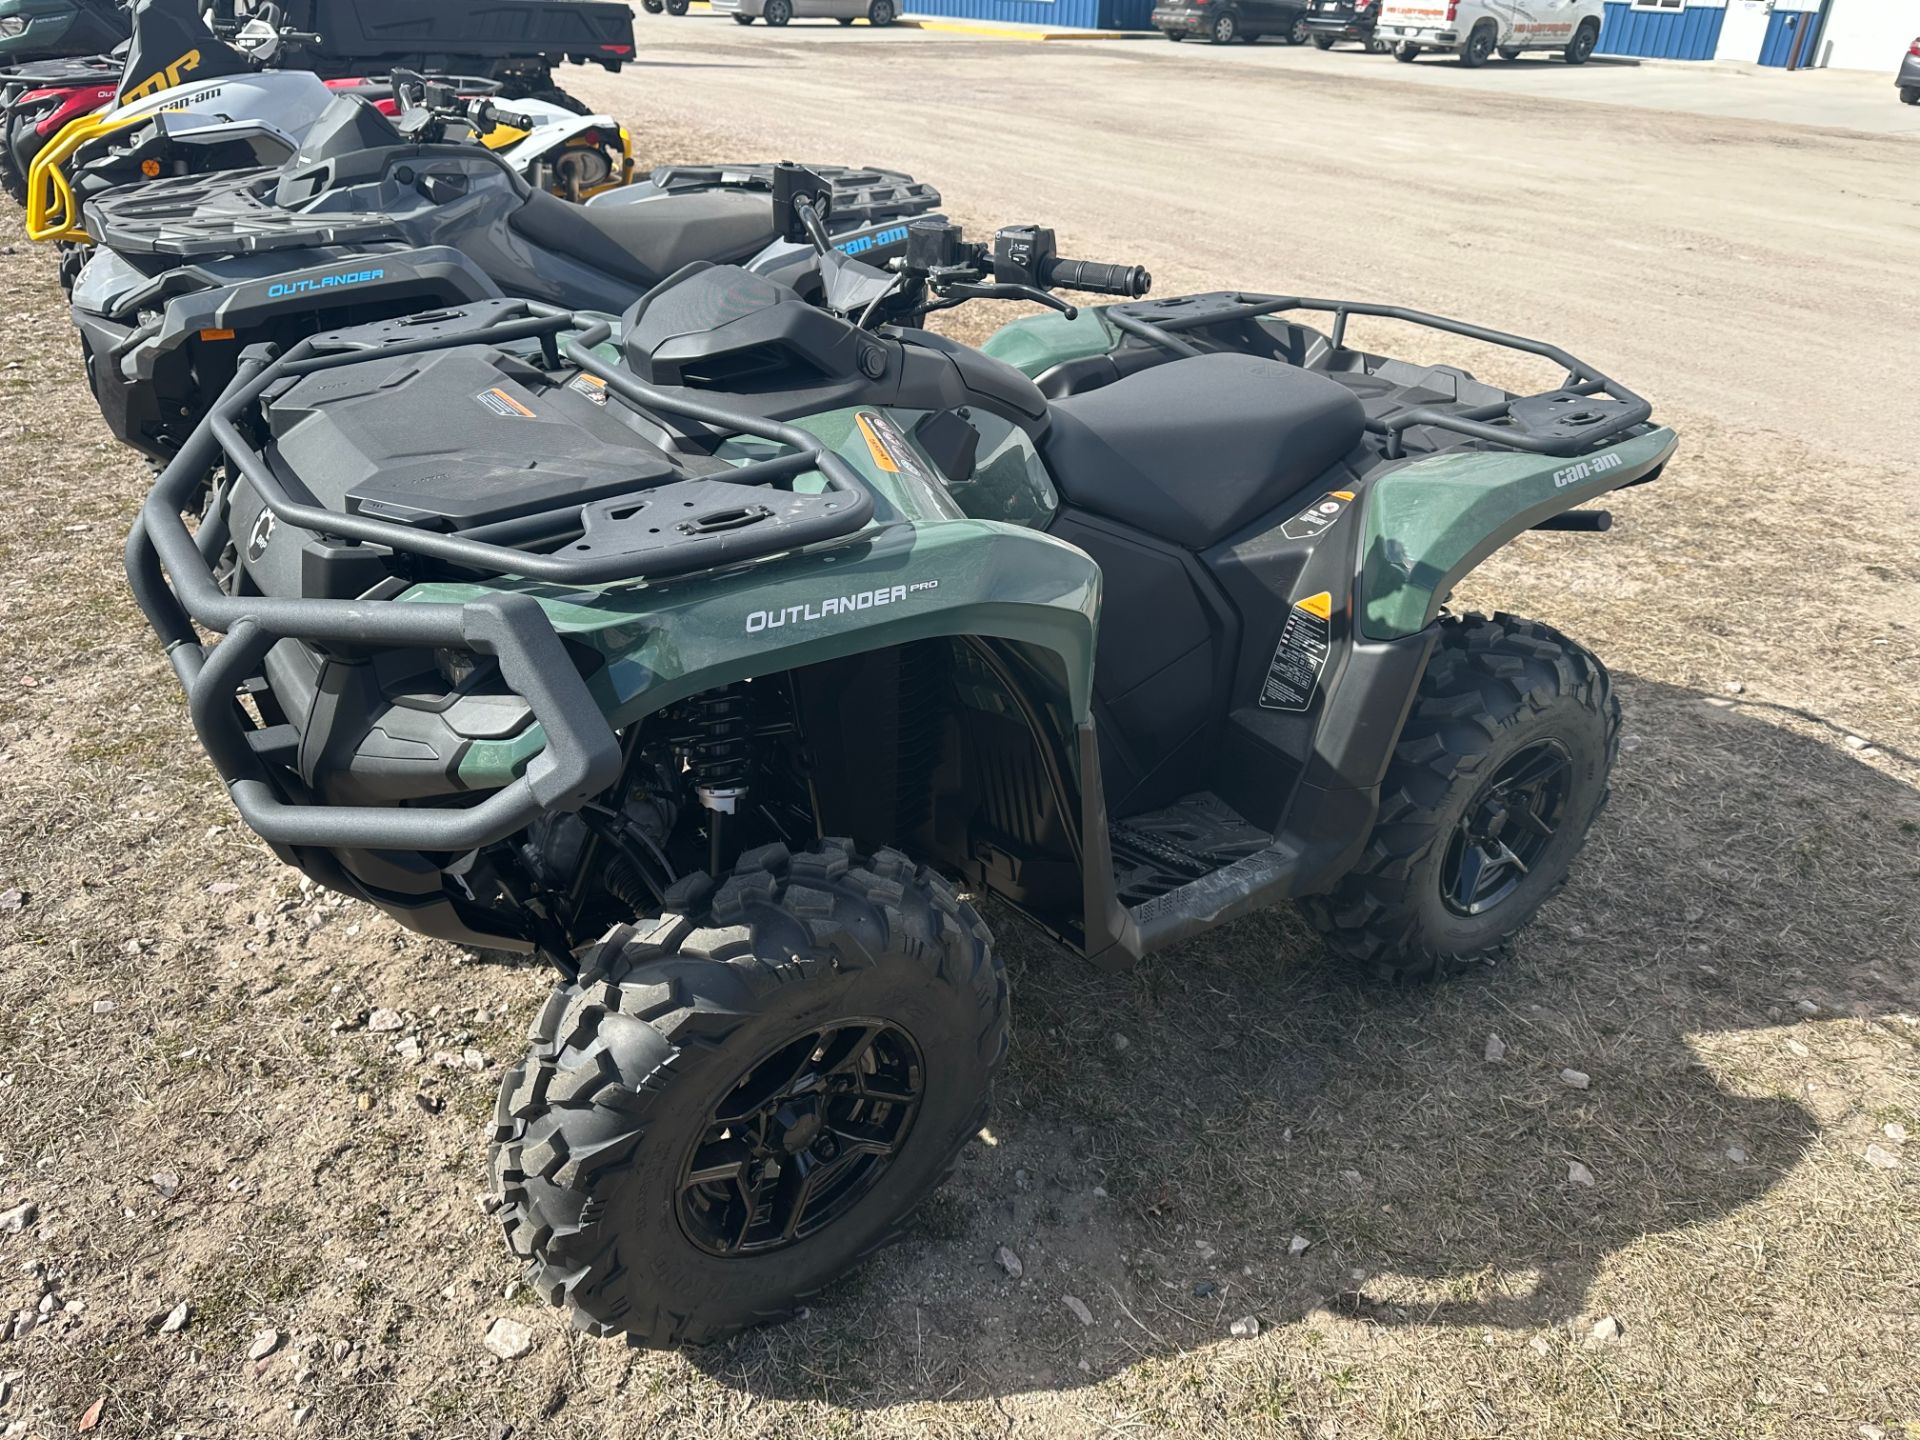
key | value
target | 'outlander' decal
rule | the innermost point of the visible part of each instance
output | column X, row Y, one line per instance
column 833, row 605
column 281, row 289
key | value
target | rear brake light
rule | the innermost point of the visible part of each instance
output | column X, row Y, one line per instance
column 618, row 49
column 1914, row 49
column 1453, row 9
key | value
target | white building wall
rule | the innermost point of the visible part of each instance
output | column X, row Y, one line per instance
column 1869, row 34
column 1744, row 32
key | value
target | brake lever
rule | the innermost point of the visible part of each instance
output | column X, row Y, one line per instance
column 961, row 291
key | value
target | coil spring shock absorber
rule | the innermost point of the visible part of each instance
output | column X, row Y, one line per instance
column 718, row 749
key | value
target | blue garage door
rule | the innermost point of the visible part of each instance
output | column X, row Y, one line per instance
column 1784, row 29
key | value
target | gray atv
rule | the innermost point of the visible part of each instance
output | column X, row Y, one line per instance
column 717, row 660
column 373, row 218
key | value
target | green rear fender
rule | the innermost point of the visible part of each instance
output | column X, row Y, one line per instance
column 1427, row 524
column 662, row 642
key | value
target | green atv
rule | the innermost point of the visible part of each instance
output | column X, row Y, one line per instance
column 33, row 30
column 717, row 657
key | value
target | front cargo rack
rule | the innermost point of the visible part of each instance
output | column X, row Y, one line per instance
column 1553, row 423
column 172, row 573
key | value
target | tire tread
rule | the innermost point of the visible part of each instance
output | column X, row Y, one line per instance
column 1485, row 675
column 691, row 978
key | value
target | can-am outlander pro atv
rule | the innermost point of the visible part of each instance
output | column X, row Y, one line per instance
column 368, row 221
column 712, row 667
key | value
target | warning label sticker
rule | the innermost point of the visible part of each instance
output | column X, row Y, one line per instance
column 1294, row 672
column 501, row 403
column 889, row 448
column 591, row 386
column 1317, row 516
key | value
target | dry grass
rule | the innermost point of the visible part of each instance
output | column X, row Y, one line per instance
column 1750, row 861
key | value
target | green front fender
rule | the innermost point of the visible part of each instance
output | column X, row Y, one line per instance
column 1428, row 523
column 1034, row 344
column 908, row 581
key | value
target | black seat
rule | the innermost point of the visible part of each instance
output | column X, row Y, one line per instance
column 649, row 239
column 1194, row 449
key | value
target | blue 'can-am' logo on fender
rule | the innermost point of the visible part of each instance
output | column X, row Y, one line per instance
column 859, row 244
column 281, row 289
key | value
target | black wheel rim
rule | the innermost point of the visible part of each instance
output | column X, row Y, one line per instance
column 804, row 1134
column 1506, row 828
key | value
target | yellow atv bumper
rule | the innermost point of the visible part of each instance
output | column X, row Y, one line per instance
column 53, row 211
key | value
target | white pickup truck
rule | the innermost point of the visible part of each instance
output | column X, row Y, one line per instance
column 1477, row 29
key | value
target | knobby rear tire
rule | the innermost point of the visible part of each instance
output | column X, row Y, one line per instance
column 1492, row 688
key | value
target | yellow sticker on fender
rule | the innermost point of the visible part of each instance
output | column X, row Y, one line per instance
column 1299, row 655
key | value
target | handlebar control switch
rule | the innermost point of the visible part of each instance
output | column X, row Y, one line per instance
column 1023, row 255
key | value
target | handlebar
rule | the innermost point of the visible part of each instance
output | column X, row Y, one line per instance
column 485, row 114
column 428, row 106
column 941, row 268
column 1129, row 282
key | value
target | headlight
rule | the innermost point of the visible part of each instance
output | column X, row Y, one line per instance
column 12, row 25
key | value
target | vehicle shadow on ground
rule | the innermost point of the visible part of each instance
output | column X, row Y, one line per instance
column 1163, row 1136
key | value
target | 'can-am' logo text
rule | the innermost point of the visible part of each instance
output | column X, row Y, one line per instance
column 758, row 620
column 1585, row 470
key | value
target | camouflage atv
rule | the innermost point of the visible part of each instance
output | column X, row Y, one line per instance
column 717, row 658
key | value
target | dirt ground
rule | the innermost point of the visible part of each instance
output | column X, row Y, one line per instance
column 195, row 1110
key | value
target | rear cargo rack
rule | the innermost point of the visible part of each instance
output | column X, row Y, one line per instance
column 1553, row 423
column 860, row 194
column 171, row 571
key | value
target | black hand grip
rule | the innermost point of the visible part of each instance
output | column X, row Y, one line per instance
column 514, row 119
column 1129, row 281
